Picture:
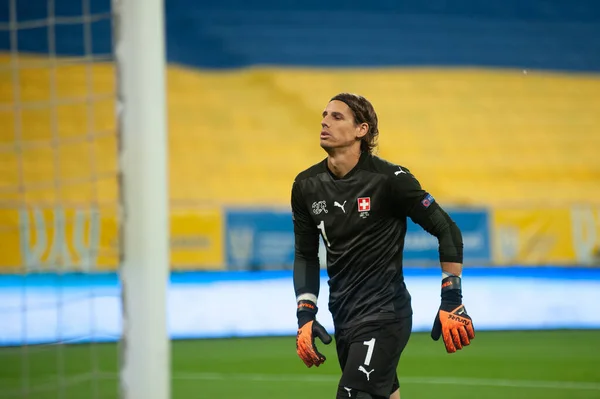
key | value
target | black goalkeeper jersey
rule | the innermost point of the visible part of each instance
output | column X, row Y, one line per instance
column 362, row 221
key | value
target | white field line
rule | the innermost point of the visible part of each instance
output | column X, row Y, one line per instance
column 327, row 378
column 54, row 381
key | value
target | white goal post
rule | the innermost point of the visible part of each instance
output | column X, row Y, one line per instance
column 139, row 47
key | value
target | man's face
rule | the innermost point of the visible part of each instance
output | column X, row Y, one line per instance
column 338, row 128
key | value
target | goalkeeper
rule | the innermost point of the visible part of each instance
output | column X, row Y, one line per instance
column 359, row 203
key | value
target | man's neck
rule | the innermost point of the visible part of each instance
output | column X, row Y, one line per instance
column 341, row 162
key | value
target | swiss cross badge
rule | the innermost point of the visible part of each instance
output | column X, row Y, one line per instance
column 364, row 206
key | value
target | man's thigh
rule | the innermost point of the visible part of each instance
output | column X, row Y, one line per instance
column 369, row 356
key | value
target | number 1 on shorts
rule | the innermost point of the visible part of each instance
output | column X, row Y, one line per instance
column 370, row 344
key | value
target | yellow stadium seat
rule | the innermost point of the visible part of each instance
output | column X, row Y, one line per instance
column 472, row 137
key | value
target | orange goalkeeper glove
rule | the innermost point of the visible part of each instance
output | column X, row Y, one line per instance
column 308, row 329
column 452, row 321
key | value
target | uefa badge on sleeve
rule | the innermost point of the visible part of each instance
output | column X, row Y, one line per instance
column 428, row 200
column 364, row 206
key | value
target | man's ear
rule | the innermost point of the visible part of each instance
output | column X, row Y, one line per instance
column 363, row 129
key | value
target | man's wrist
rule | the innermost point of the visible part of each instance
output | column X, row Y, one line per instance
column 448, row 274
column 451, row 269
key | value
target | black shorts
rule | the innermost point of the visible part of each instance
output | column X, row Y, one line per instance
column 369, row 356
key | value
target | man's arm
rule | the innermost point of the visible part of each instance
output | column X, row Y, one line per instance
column 412, row 201
column 306, row 282
column 452, row 320
column 306, row 257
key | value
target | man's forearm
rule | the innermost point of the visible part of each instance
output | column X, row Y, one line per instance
column 306, row 278
column 306, row 265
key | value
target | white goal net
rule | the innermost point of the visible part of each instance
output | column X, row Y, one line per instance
column 59, row 201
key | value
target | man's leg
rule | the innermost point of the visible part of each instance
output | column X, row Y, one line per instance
column 346, row 393
column 374, row 351
column 395, row 389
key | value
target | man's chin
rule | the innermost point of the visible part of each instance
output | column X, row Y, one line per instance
column 326, row 145
column 329, row 149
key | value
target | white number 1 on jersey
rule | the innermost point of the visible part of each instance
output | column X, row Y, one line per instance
column 321, row 226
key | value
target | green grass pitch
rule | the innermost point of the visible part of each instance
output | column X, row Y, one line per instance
column 498, row 365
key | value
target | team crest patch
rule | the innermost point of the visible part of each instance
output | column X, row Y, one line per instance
column 428, row 200
column 319, row 206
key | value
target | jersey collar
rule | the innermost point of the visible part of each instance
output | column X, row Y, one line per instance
column 361, row 160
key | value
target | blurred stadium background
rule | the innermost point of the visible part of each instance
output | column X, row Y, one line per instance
column 494, row 106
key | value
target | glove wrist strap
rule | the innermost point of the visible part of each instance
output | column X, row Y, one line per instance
column 306, row 311
column 452, row 290
column 451, row 283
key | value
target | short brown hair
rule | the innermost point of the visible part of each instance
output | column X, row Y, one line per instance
column 363, row 112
